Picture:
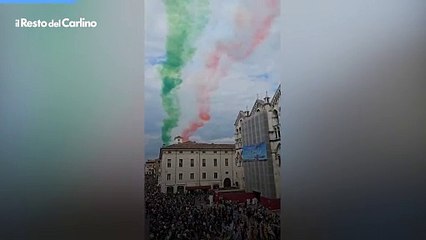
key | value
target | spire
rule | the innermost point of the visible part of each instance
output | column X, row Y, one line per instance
column 266, row 98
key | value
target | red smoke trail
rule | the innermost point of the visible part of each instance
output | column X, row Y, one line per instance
column 236, row 50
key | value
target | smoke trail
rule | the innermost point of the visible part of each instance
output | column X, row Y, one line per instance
column 186, row 19
column 253, row 25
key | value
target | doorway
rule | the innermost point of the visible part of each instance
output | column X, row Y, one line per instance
column 257, row 195
column 180, row 189
column 227, row 183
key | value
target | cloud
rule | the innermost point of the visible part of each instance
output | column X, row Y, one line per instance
column 155, row 60
column 152, row 146
column 225, row 140
column 229, row 140
column 260, row 77
column 236, row 92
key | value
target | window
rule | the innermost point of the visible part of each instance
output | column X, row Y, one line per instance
column 192, row 162
column 169, row 163
column 226, row 162
column 279, row 160
column 226, row 172
column 275, row 117
column 180, row 176
column 215, row 162
column 169, row 151
column 226, row 151
column 180, row 162
column 204, row 162
column 180, row 151
column 169, row 176
column 204, row 175
column 192, row 176
column 215, row 175
column 204, row 151
column 214, row 151
column 192, row 151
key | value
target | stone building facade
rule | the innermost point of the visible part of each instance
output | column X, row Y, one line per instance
column 187, row 166
column 259, row 126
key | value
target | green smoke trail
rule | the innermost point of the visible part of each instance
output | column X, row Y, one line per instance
column 186, row 19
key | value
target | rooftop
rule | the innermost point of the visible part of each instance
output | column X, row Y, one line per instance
column 195, row 145
column 152, row 160
column 259, row 103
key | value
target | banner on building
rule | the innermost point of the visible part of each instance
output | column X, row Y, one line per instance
column 254, row 152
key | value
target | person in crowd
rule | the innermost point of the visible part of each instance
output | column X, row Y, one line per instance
column 188, row 216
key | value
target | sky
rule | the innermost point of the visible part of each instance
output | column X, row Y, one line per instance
column 242, row 34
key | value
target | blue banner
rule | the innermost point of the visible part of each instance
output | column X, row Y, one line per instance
column 255, row 152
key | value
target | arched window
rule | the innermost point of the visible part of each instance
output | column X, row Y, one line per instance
column 275, row 113
column 278, row 156
column 237, row 159
column 275, row 117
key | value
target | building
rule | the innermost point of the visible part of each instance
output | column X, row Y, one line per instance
column 152, row 166
column 239, row 171
column 258, row 146
column 149, row 167
column 187, row 166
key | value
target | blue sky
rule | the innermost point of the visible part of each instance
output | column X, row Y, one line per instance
column 238, row 90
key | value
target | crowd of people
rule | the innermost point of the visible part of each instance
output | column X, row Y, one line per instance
column 188, row 216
